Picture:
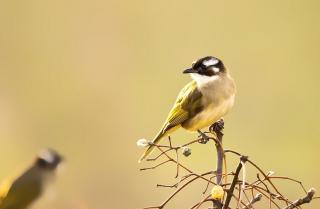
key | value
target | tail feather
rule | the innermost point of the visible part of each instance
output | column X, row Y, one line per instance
column 164, row 132
column 149, row 150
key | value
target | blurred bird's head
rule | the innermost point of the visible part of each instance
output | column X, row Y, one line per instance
column 206, row 69
column 48, row 159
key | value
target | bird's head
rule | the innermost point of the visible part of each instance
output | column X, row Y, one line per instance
column 48, row 159
column 206, row 69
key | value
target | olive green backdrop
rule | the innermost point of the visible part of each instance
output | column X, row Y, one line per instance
column 89, row 78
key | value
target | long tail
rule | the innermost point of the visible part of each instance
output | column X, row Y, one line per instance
column 155, row 141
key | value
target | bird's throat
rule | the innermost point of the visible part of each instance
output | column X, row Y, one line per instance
column 203, row 79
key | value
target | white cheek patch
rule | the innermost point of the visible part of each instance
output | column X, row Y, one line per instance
column 210, row 62
column 215, row 70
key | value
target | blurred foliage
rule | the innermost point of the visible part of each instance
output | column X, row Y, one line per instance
column 89, row 78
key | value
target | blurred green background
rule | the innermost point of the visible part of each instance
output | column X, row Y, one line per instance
column 89, row 78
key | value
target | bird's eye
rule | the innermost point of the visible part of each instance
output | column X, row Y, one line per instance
column 202, row 69
column 42, row 163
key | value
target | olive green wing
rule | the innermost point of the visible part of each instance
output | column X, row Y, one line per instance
column 187, row 104
column 4, row 188
column 19, row 194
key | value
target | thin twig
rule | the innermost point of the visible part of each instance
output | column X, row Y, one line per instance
column 257, row 198
column 259, row 169
column 234, row 182
column 156, row 166
column 303, row 200
column 236, row 189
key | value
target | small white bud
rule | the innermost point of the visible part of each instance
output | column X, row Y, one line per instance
column 270, row 173
column 186, row 151
column 143, row 143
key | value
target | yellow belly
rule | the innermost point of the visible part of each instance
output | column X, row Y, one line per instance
column 209, row 115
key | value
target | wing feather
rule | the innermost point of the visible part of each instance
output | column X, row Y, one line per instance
column 4, row 188
column 186, row 106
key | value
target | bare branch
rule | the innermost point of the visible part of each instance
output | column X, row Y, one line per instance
column 257, row 198
column 234, row 182
column 237, row 189
column 156, row 166
column 303, row 200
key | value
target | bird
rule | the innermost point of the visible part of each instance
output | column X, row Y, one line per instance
column 203, row 101
column 20, row 192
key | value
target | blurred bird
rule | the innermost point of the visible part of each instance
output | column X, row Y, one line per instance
column 201, row 102
column 24, row 190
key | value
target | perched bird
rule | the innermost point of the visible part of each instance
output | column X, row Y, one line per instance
column 201, row 102
column 22, row 191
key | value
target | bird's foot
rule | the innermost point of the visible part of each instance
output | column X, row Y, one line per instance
column 217, row 127
column 203, row 138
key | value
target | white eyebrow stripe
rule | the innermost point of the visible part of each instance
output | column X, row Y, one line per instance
column 210, row 62
column 47, row 156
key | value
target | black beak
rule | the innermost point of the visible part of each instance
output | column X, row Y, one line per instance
column 190, row 70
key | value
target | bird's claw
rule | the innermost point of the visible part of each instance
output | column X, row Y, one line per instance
column 203, row 138
column 217, row 127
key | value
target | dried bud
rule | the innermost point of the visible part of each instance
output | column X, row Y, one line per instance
column 312, row 191
column 217, row 192
column 270, row 173
column 143, row 143
column 186, row 151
